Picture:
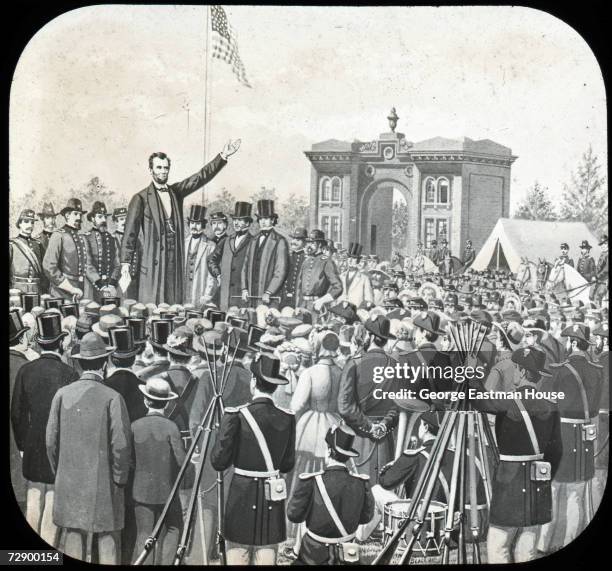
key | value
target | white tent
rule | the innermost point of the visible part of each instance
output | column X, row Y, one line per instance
column 513, row 238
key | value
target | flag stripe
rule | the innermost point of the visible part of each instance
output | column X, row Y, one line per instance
column 225, row 46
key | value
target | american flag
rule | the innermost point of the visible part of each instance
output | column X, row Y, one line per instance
column 224, row 44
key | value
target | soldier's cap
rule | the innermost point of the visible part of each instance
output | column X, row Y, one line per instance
column 216, row 216
column 511, row 331
column 316, row 236
column 531, row 359
column 27, row 214
column 340, row 440
column 267, row 368
column 578, row 331
column 122, row 211
column 98, row 208
column 299, row 233
column 390, row 284
column 564, row 246
column 601, row 330
column 536, row 323
column 157, row 389
column 603, row 240
column 436, row 304
column 346, row 310
column 512, row 315
column 584, row 245
column 47, row 210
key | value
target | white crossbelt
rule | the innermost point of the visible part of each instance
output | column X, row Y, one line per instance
column 334, row 540
column 521, row 458
column 255, row 473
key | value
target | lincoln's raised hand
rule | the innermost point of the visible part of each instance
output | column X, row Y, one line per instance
column 230, row 148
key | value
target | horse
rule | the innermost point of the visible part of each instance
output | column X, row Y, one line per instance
column 542, row 272
column 397, row 260
column 526, row 275
column 418, row 265
column 566, row 280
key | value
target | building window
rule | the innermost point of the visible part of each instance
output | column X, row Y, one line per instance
column 336, row 190
column 334, row 233
column 441, row 228
column 435, row 229
column 429, row 232
column 430, row 190
column 330, row 191
column 436, row 191
column 325, row 225
column 325, row 190
column 443, row 191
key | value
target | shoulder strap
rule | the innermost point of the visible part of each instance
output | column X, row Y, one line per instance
column 441, row 477
column 182, row 397
column 583, row 395
column 329, row 506
column 261, row 441
column 29, row 255
column 528, row 425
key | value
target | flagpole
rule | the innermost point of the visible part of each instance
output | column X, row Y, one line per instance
column 206, row 102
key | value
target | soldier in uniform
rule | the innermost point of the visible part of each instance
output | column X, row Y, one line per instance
column 296, row 258
column 119, row 218
column 581, row 382
column 65, row 261
column 602, row 454
column 318, row 283
column 103, row 268
column 47, row 217
column 599, row 289
column 444, row 251
column 468, row 254
column 258, row 440
column 529, row 441
column 267, row 259
column 433, row 253
column 228, row 259
column 332, row 503
column 370, row 418
column 356, row 285
column 564, row 257
column 586, row 264
column 25, row 257
column 390, row 292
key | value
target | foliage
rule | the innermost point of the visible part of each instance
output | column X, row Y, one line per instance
column 537, row 205
column 399, row 226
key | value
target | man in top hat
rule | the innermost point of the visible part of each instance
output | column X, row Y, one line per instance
column 25, row 257
column 121, row 377
column 91, row 471
column 564, row 257
column 433, row 252
column 599, row 289
column 65, row 261
column 296, row 258
column 36, row 383
column 529, row 442
column 228, row 259
column 155, row 216
column 119, row 219
column 443, row 251
column 581, row 381
column 102, row 256
column 267, row 259
column 160, row 330
column 198, row 280
column 586, row 264
column 318, row 282
column 332, row 503
column 258, row 440
column 372, row 419
column 356, row 285
column 47, row 216
column 469, row 254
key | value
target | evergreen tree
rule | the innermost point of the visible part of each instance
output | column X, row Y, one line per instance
column 537, row 205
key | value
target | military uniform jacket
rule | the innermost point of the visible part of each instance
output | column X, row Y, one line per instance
column 602, row 270
column 517, row 501
column 102, row 260
column 577, row 462
column 586, row 267
column 468, row 256
column 25, row 265
column 43, row 238
column 36, row 383
column 66, row 258
column 289, row 290
column 250, row 519
column 565, row 260
column 351, row 497
column 318, row 276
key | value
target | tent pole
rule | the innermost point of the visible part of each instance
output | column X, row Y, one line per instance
column 497, row 258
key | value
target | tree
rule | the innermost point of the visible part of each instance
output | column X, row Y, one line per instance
column 293, row 212
column 263, row 193
column 224, row 202
column 399, row 226
column 585, row 199
column 537, row 205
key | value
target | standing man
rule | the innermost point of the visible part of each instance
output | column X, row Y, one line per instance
column 296, row 258
column 155, row 216
column 47, row 217
column 198, row 280
column 356, row 285
column 119, row 218
column 599, row 289
column 417, row 264
column 318, row 283
column 433, row 252
column 228, row 259
column 267, row 259
column 65, row 261
column 444, row 251
column 102, row 256
column 25, row 258
column 35, row 386
column 258, row 440
column 89, row 445
column 468, row 254
column 564, row 257
column 586, row 264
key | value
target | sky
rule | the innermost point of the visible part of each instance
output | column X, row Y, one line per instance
column 98, row 89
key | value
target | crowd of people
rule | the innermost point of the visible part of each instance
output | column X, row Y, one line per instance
column 111, row 378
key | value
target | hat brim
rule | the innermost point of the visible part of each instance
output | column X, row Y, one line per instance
column 280, row 380
column 19, row 333
column 79, row 357
column 48, row 340
column 63, row 211
column 350, row 452
column 179, row 352
column 378, row 333
column 143, row 390
column 125, row 354
column 98, row 331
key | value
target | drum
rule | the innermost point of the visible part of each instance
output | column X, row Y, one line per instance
column 430, row 539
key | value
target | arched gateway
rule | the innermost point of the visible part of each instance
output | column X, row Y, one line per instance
column 456, row 188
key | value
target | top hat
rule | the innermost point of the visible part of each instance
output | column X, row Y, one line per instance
column 429, row 321
column 123, row 340
column 70, row 309
column 73, row 205
column 179, row 342
column 578, row 331
column 158, row 390
column 244, row 209
column 29, row 300
column 122, row 211
column 265, row 209
column 218, row 216
column 49, row 327
column 254, row 335
column 585, row 244
column 299, row 233
column 92, row 346
column 267, row 368
column 380, row 327
column 603, row 240
column 16, row 326
column 341, row 441
column 47, row 210
column 346, row 310
column 237, row 340
column 51, row 302
column 197, row 213
column 160, row 330
column 138, row 325
column 316, row 235
column 531, row 359
column 98, row 208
